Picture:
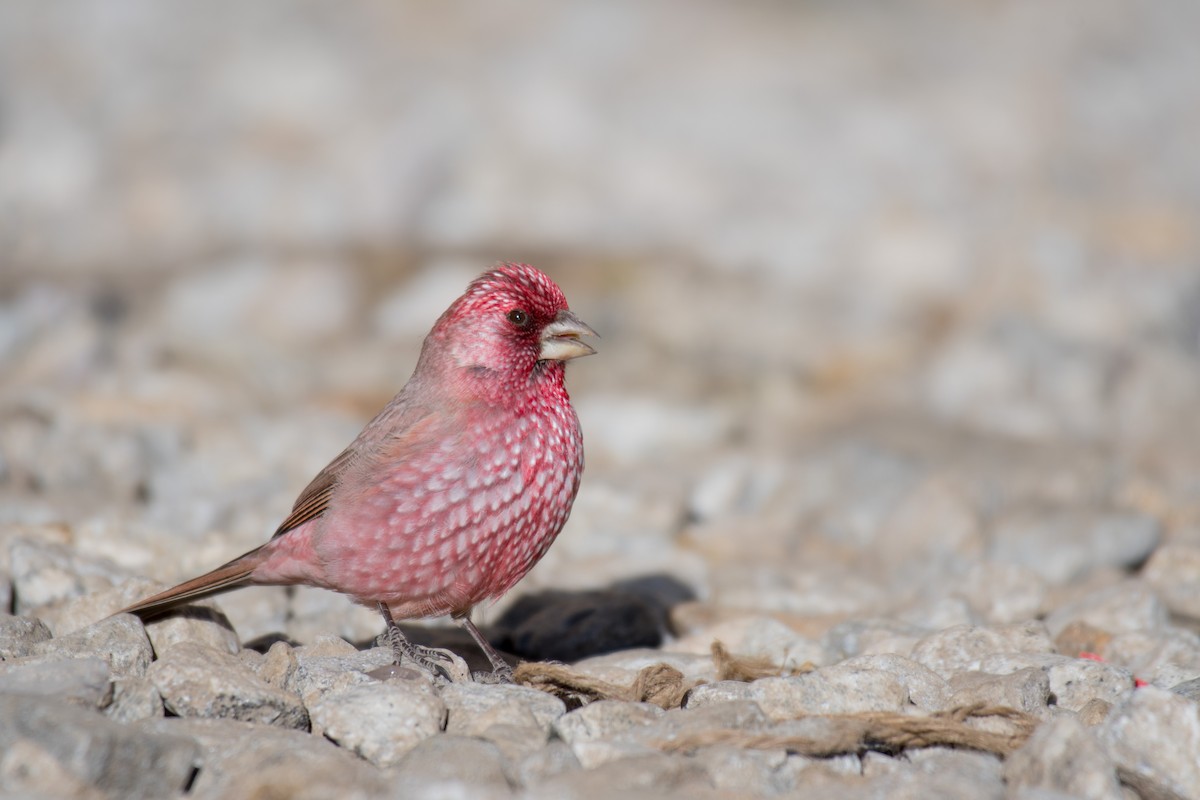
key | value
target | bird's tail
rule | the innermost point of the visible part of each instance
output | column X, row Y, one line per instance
column 228, row 576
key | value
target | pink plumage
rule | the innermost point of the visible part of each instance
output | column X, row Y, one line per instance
column 458, row 487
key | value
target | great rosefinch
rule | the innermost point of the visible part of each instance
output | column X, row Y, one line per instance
column 457, row 488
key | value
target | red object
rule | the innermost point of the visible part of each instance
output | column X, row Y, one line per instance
column 458, row 487
column 1137, row 682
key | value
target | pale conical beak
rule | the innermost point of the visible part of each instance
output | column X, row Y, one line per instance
column 560, row 339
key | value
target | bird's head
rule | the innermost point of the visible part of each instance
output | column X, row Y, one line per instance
column 510, row 326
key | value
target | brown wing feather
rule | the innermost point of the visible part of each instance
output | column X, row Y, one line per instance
column 314, row 500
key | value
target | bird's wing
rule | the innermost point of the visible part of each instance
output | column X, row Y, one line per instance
column 399, row 428
column 314, row 500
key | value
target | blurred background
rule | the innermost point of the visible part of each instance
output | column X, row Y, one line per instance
column 897, row 298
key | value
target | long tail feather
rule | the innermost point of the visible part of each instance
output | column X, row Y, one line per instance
column 228, row 576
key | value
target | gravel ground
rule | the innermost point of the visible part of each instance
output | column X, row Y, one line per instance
column 896, row 398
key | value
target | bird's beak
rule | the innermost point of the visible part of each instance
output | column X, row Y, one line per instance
column 560, row 339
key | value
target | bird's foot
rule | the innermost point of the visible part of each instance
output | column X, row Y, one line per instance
column 430, row 659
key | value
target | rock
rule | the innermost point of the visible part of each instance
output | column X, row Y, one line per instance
column 1174, row 574
column 604, row 719
column 86, row 682
column 278, row 665
column 134, row 699
column 1025, row 690
column 453, row 766
column 744, row 773
column 1073, row 681
column 201, row 622
column 640, row 775
column 872, row 636
column 1153, row 735
column 1063, row 756
column 1002, row 593
column 1066, row 544
column 44, row 572
column 963, row 647
column 839, row 689
column 118, row 760
column 29, row 770
column 18, row 635
column 121, row 641
column 556, row 758
column 380, row 722
column 707, row 694
column 757, row 637
column 240, row 759
column 467, row 703
column 931, row 531
column 1165, row 656
column 197, row 681
column 320, row 672
column 926, row 689
column 622, row 668
column 1127, row 607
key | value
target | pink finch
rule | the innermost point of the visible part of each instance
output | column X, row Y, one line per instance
column 457, row 488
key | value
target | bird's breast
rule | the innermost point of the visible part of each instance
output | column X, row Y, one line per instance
column 464, row 519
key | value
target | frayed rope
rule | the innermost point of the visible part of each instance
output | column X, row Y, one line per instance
column 812, row 735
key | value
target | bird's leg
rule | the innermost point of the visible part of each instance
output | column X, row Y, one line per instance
column 501, row 671
column 402, row 648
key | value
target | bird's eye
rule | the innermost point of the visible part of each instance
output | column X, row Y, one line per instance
column 518, row 317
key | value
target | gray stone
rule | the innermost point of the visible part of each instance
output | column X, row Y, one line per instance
column 380, row 722
column 1189, row 689
column 744, row 772
column 1003, row 593
column 120, row 641
column 873, row 636
column 327, row 669
column 86, row 682
column 278, row 665
column 742, row 715
column 45, row 572
column 1174, row 574
column 241, row 759
column 554, row 759
column 604, row 719
column 466, row 703
column 1064, row 544
column 453, row 766
column 622, row 668
column 201, row 622
column 197, row 681
column 1161, row 657
column 118, row 760
column 1025, row 690
column 1153, row 735
column 839, row 689
column 1127, row 607
column 639, row 775
column 134, row 699
column 31, row 772
column 720, row 692
column 757, row 637
column 1063, row 756
column 927, row 690
column 963, row 647
column 18, row 635
column 1073, row 681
